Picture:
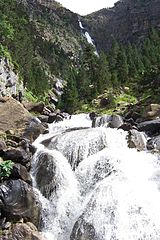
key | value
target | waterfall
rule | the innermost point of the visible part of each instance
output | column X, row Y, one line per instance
column 94, row 187
column 87, row 36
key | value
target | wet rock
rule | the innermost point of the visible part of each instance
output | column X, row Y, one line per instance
column 20, row 172
column 83, row 231
column 135, row 115
column 52, row 117
column 115, row 121
column 21, row 231
column 17, row 200
column 78, row 145
column 136, row 140
column 34, row 107
column 45, row 174
column 150, row 127
column 154, row 143
column 125, row 126
column 43, row 118
column 33, row 130
column 102, row 121
column 55, row 117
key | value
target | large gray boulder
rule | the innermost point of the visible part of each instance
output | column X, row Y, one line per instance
column 136, row 139
column 115, row 121
column 150, row 127
column 45, row 174
column 79, row 144
column 154, row 143
column 17, row 200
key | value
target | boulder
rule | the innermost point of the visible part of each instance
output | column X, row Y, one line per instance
column 43, row 118
column 18, row 155
column 34, row 107
column 17, row 200
column 102, row 121
column 19, row 231
column 13, row 114
column 83, row 231
column 154, row 143
column 20, row 172
column 33, row 130
column 136, row 139
column 150, row 127
column 55, row 117
column 115, row 121
column 52, row 117
column 45, row 174
column 126, row 126
column 79, row 144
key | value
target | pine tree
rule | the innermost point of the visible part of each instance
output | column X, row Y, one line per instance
column 70, row 100
column 122, row 67
column 103, row 76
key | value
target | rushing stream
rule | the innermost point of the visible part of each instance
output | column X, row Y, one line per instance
column 93, row 187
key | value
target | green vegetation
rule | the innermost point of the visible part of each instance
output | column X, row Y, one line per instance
column 37, row 44
column 5, row 169
column 134, row 66
column 41, row 50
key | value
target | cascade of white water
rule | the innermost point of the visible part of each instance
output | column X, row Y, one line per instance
column 88, row 37
column 114, row 189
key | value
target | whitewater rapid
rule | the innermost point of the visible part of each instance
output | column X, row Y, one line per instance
column 102, row 187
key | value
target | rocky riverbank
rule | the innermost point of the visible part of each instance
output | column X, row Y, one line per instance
column 19, row 204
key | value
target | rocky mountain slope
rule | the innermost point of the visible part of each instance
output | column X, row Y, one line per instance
column 43, row 38
column 128, row 20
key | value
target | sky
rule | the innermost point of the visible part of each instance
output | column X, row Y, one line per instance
column 84, row 7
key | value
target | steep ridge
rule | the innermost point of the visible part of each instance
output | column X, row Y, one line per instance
column 46, row 40
column 128, row 20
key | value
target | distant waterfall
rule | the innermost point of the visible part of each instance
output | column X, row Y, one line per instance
column 88, row 37
column 93, row 186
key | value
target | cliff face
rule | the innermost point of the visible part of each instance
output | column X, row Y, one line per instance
column 128, row 20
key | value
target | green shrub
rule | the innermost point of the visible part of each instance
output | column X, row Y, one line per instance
column 5, row 169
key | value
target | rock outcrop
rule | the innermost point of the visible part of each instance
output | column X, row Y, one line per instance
column 10, row 83
column 13, row 114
